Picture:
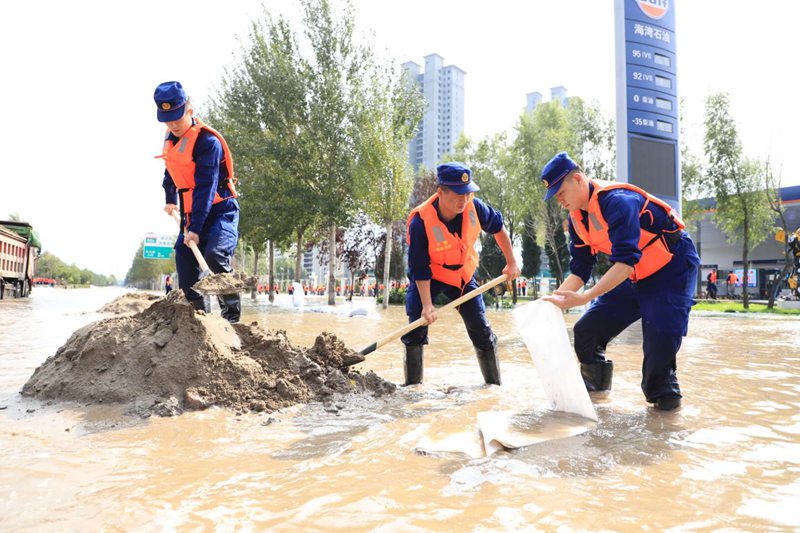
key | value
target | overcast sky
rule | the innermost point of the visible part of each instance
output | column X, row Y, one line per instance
column 79, row 129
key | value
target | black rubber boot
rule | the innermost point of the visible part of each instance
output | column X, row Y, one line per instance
column 412, row 364
column 490, row 366
column 230, row 306
column 668, row 403
column 597, row 376
column 201, row 304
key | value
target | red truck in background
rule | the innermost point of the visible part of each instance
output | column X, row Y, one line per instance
column 19, row 251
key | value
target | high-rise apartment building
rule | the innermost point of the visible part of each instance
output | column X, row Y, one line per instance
column 443, row 121
column 557, row 94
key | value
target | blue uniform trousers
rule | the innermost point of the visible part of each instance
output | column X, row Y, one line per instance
column 473, row 312
column 217, row 244
column 663, row 301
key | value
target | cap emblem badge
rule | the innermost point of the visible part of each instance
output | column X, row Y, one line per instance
column 165, row 106
column 465, row 177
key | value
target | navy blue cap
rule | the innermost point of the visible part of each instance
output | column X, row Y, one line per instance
column 555, row 171
column 456, row 177
column 171, row 101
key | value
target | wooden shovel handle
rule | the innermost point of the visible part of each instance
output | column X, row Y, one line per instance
column 423, row 321
column 197, row 255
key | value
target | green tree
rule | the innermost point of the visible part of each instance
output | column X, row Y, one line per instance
column 262, row 108
column 531, row 251
column 496, row 171
column 772, row 185
column 540, row 135
column 743, row 211
column 335, row 74
column 390, row 111
column 145, row 273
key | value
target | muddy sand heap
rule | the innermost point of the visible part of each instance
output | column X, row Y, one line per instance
column 225, row 283
column 170, row 358
column 129, row 303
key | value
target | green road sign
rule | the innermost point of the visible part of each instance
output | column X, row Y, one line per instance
column 157, row 246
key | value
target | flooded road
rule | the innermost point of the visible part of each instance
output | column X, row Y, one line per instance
column 730, row 459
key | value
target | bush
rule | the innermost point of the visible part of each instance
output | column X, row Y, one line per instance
column 396, row 297
column 489, row 298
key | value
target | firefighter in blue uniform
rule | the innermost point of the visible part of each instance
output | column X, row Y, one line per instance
column 653, row 276
column 441, row 234
column 198, row 182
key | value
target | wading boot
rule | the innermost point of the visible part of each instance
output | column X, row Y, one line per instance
column 597, row 376
column 490, row 367
column 412, row 365
column 230, row 306
column 667, row 403
column 201, row 304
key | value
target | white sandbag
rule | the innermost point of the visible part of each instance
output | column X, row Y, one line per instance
column 508, row 430
column 297, row 295
column 542, row 327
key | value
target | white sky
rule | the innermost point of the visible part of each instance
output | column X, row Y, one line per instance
column 79, row 130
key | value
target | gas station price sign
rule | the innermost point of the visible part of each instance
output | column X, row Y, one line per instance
column 647, row 97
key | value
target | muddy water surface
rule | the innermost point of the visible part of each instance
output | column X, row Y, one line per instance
column 729, row 459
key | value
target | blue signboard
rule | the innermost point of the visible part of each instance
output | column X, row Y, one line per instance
column 647, row 97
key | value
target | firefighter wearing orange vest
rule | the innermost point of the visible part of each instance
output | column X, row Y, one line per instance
column 199, row 182
column 653, row 276
column 441, row 234
column 711, row 284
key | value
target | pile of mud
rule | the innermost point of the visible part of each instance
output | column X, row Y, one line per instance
column 129, row 303
column 170, row 358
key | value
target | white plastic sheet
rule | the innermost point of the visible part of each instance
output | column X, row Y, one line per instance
column 542, row 327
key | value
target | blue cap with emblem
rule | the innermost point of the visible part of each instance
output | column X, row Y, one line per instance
column 456, row 177
column 555, row 171
column 171, row 101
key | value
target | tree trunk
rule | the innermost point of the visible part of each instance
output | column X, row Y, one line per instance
column 271, row 267
column 332, row 265
column 699, row 246
column 387, row 260
column 254, row 290
column 298, row 265
column 745, row 292
column 514, row 282
column 776, row 284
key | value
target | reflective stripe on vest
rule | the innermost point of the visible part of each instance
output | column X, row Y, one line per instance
column 181, row 166
column 453, row 258
column 654, row 248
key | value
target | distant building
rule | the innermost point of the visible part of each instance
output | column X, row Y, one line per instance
column 557, row 94
column 443, row 121
column 766, row 259
column 534, row 99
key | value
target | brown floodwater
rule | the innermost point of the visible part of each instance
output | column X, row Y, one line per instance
column 729, row 459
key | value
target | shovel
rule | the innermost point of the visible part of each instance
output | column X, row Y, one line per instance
column 224, row 283
column 422, row 321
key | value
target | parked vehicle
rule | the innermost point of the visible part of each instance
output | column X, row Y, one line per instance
column 19, row 251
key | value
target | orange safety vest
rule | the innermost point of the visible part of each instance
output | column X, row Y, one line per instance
column 655, row 252
column 181, row 165
column 712, row 277
column 453, row 258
